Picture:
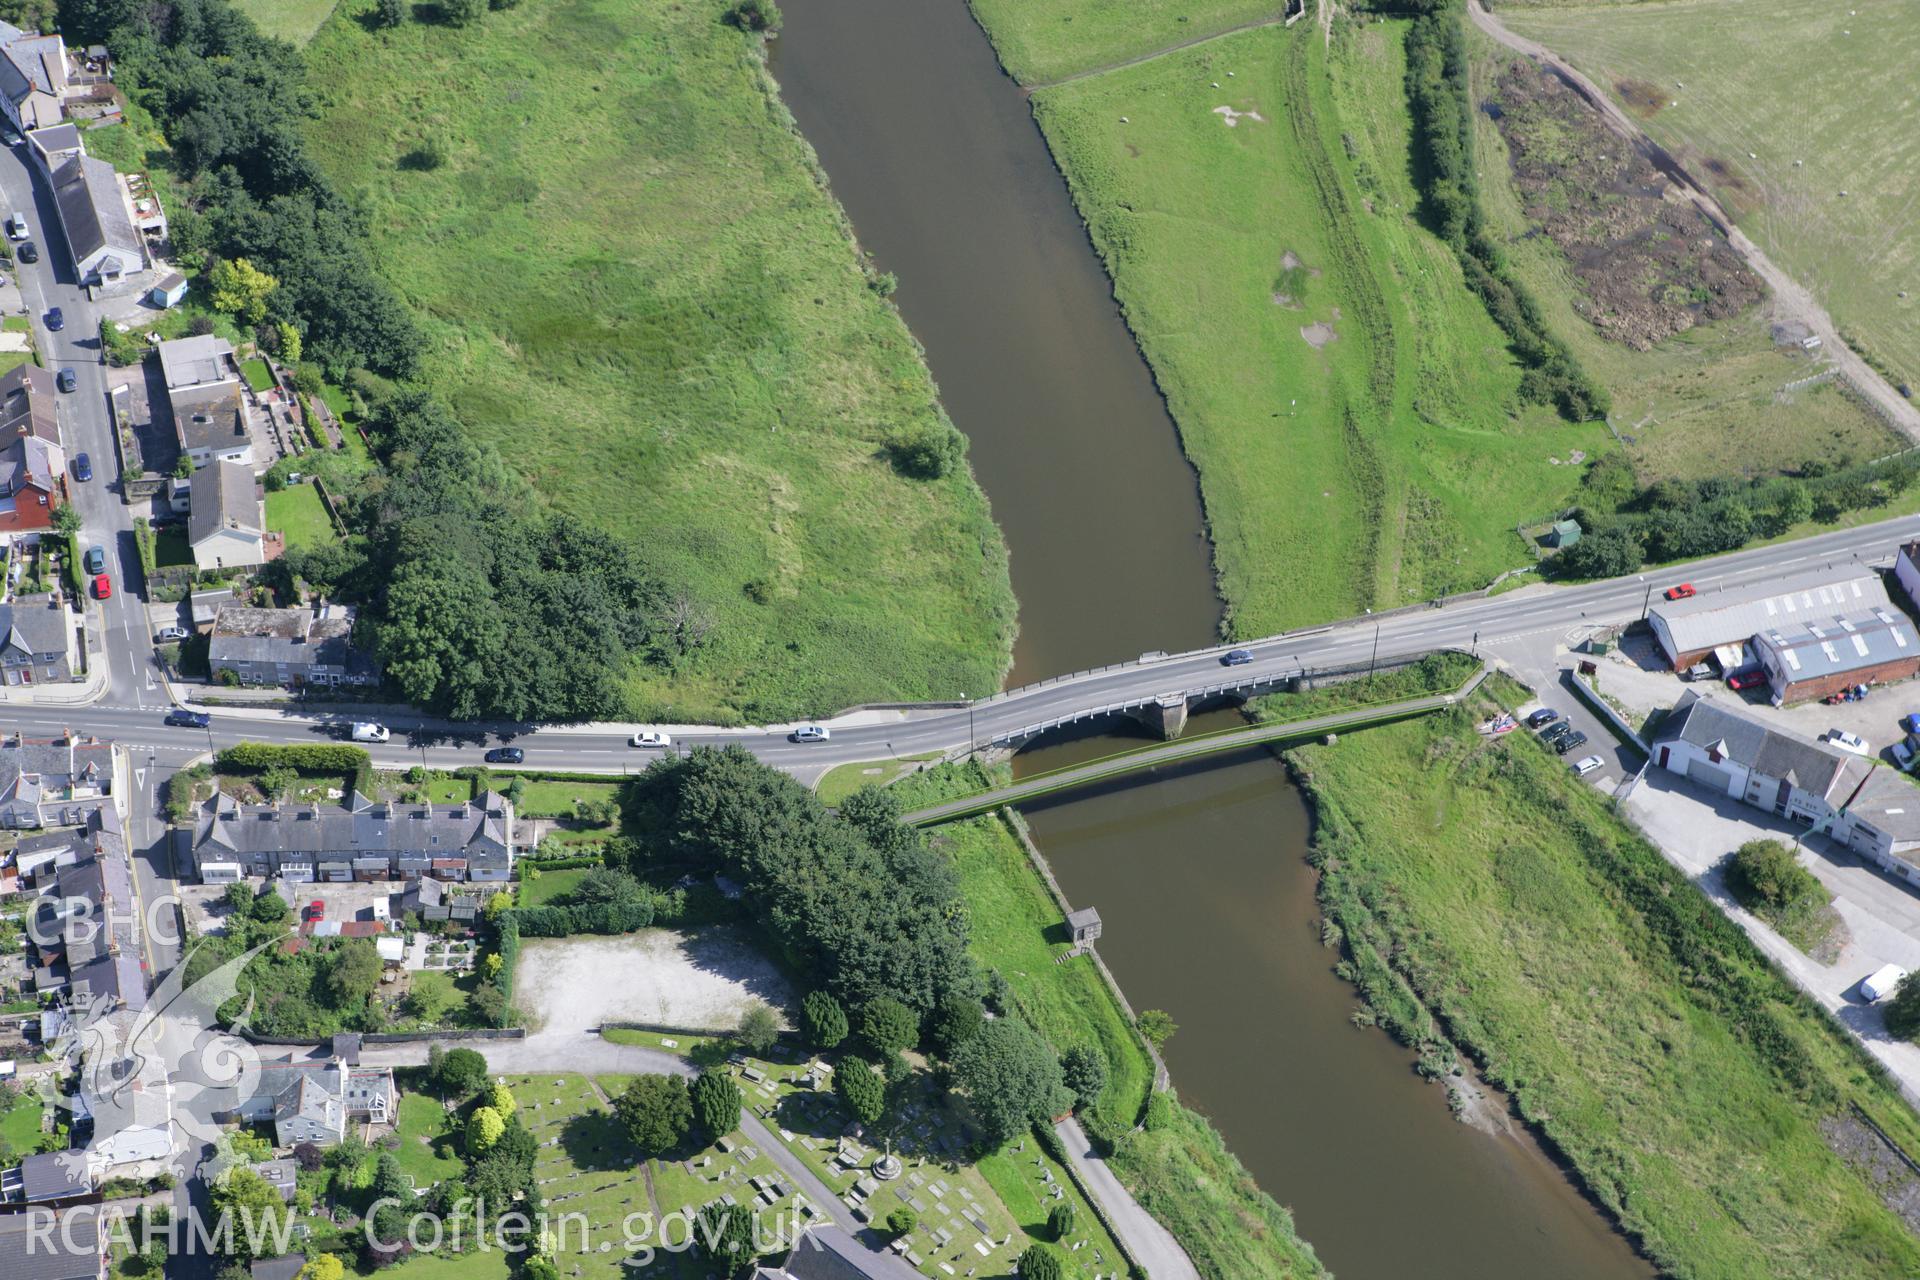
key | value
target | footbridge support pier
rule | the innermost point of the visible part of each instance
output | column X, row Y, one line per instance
column 1165, row 715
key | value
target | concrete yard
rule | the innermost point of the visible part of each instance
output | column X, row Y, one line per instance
column 1696, row 830
column 703, row 981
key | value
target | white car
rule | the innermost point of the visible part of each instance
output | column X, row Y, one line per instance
column 651, row 738
column 1848, row 742
column 166, row 635
column 811, row 733
column 367, row 731
column 1586, row 765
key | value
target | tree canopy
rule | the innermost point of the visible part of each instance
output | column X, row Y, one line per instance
column 655, row 1111
column 716, row 1103
column 1011, row 1079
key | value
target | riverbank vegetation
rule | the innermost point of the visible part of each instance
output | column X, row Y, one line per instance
column 1177, row 1165
column 1766, row 879
column 1786, row 123
column 1486, row 902
column 1355, row 416
column 669, row 333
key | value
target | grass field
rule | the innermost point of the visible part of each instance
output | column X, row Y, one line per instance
column 549, row 799
column 425, row 1141
column 1707, row 401
column 258, row 375
column 170, row 545
column 842, row 781
column 550, row 887
column 296, row 511
column 1044, row 40
column 1682, row 1078
column 673, row 337
column 294, row 21
column 1385, row 466
column 1779, row 118
column 19, row 1128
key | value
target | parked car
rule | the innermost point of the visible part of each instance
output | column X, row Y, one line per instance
column 1236, row 657
column 368, row 731
column 506, row 755
column 170, row 635
column 1545, row 715
column 1586, row 765
column 55, row 321
column 1747, row 679
column 1902, row 756
column 1568, row 743
column 1847, row 741
column 651, row 738
column 1680, row 592
column 811, row 733
column 27, row 252
column 1881, row 983
column 316, row 910
column 66, row 380
column 102, row 587
column 82, row 467
column 185, row 719
column 96, row 559
column 1698, row 671
column 1556, row 731
column 1910, row 723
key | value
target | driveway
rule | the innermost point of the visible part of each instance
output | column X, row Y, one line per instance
column 1696, row 830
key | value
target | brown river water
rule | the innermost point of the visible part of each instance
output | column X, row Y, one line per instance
column 1199, row 873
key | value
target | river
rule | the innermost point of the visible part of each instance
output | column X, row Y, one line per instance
column 1200, row 874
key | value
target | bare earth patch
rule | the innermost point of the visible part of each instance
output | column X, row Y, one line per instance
column 1233, row 118
column 701, row 981
column 1318, row 334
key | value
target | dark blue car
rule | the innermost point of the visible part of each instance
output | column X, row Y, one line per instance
column 56, row 321
column 1236, row 657
column 82, row 467
column 189, row 719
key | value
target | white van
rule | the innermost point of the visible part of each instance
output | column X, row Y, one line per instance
column 17, row 225
column 367, row 731
column 1881, row 983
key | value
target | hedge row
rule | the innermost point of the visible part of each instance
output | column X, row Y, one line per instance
column 586, row 917
column 507, row 942
column 258, row 757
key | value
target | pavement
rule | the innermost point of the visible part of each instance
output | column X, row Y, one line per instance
column 1151, row 1244
column 1696, row 830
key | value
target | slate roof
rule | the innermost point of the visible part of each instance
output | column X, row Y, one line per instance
column 34, row 624
column 828, row 1253
column 1811, row 766
column 224, row 497
column 54, row 1175
column 285, row 1268
column 366, row 828
column 296, row 637
column 209, row 416
column 30, row 52
column 30, row 767
column 71, row 1251
column 195, row 361
column 93, row 212
column 27, row 402
column 1891, row 803
column 29, row 460
column 55, row 139
column 1839, row 643
column 1707, row 621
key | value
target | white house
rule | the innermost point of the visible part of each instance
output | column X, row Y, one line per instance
column 1862, row 804
column 203, row 389
column 226, row 529
column 33, row 77
column 97, row 220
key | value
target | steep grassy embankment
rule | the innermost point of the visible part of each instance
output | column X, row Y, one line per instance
column 636, row 287
column 1349, row 405
column 1489, row 900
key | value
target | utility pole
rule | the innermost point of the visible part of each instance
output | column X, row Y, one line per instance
column 1376, row 653
column 1646, row 603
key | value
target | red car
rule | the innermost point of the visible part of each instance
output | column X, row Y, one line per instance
column 1746, row 679
column 1680, row 592
column 102, row 586
column 316, row 910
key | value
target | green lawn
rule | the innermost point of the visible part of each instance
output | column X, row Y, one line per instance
column 676, row 339
column 550, row 887
column 423, row 1122
column 292, row 20
column 551, row 799
column 297, row 512
column 257, row 374
column 1788, row 123
column 1681, row 1077
column 1043, row 40
column 1386, row 466
column 19, row 1129
column 170, row 545
column 840, row 782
